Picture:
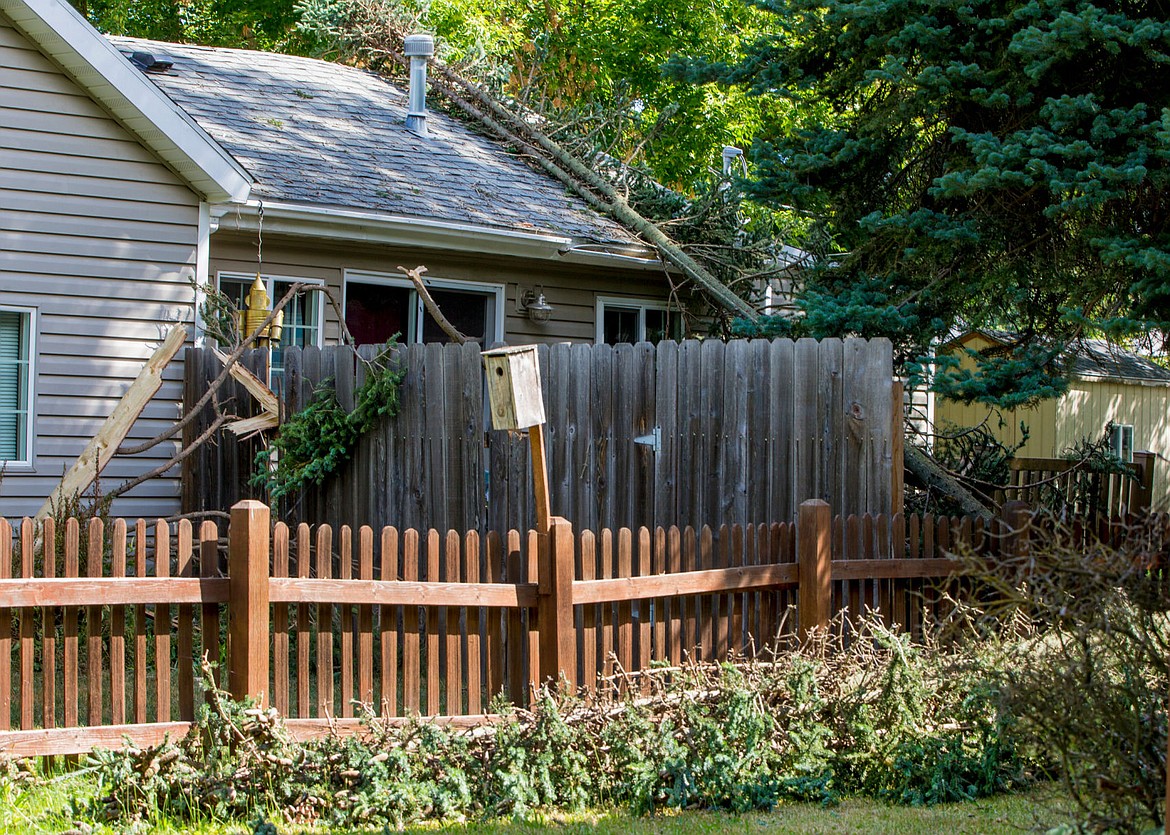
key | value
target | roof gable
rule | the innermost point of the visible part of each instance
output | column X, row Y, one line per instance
column 64, row 36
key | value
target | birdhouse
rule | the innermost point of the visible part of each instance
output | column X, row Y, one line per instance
column 514, row 387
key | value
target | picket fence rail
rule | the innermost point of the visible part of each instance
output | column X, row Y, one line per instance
column 416, row 622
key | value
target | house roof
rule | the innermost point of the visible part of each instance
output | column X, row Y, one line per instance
column 319, row 134
column 67, row 38
column 1095, row 359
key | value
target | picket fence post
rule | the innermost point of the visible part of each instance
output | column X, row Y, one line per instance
column 248, row 629
column 1017, row 535
column 815, row 566
column 554, row 614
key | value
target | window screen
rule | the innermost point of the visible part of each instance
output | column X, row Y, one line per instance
column 14, row 384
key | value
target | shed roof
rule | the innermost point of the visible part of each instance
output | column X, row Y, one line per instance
column 323, row 134
column 1095, row 359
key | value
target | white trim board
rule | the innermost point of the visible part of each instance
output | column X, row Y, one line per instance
column 330, row 223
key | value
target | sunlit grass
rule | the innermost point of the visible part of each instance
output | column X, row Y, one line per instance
column 51, row 807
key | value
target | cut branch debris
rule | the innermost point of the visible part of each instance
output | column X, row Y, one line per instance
column 113, row 431
column 269, row 417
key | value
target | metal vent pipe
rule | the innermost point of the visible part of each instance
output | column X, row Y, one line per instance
column 418, row 48
column 730, row 155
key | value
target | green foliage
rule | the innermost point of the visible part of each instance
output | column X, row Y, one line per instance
column 593, row 69
column 536, row 765
column 884, row 718
column 975, row 164
column 315, row 441
column 247, row 24
column 1017, row 378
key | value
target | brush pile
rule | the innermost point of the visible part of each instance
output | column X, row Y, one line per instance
column 881, row 717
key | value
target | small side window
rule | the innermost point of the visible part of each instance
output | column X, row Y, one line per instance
column 623, row 320
column 1121, row 442
column 16, row 376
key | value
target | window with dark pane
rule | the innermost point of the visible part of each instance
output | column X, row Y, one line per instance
column 469, row 313
column 620, row 325
column 376, row 312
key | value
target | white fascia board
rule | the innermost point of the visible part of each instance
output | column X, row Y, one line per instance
column 593, row 257
column 95, row 64
column 355, row 225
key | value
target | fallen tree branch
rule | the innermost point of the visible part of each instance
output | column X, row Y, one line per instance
column 927, row 471
column 215, row 384
column 432, row 307
column 555, row 160
column 219, row 421
column 104, row 444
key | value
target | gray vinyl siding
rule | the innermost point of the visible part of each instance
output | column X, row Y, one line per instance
column 99, row 237
column 571, row 290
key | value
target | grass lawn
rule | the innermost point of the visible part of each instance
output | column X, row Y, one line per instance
column 45, row 809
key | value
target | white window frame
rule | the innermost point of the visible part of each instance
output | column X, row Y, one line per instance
column 641, row 305
column 26, row 461
column 1117, row 442
column 269, row 281
column 416, row 323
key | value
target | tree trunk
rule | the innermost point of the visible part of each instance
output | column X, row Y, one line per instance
column 933, row 476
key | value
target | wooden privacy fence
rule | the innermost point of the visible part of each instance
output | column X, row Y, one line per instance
column 412, row 622
column 637, row 436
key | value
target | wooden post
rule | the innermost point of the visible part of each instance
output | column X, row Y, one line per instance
column 1017, row 518
column 540, row 478
column 558, row 639
column 897, row 450
column 1141, row 495
column 815, row 560
column 248, row 548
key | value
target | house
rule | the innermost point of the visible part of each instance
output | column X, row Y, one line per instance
column 134, row 170
column 1108, row 385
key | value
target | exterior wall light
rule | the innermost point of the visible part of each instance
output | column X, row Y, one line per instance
column 534, row 302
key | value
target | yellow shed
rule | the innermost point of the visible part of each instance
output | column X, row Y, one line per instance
column 1108, row 385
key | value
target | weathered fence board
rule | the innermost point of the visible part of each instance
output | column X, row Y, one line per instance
column 639, row 435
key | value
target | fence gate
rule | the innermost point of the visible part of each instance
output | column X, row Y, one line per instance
column 638, row 435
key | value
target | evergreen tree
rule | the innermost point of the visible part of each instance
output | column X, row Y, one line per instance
column 975, row 163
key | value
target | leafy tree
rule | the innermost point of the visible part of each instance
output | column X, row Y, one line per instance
column 252, row 24
column 594, row 69
column 972, row 162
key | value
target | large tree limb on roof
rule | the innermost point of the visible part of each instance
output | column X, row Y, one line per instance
column 379, row 36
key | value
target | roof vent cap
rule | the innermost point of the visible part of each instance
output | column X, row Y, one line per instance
column 418, row 48
column 149, row 62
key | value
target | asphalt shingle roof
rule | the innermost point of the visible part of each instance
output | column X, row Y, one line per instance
column 1095, row 358
column 324, row 134
column 1098, row 358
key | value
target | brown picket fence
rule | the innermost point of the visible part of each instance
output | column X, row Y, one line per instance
column 110, row 624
